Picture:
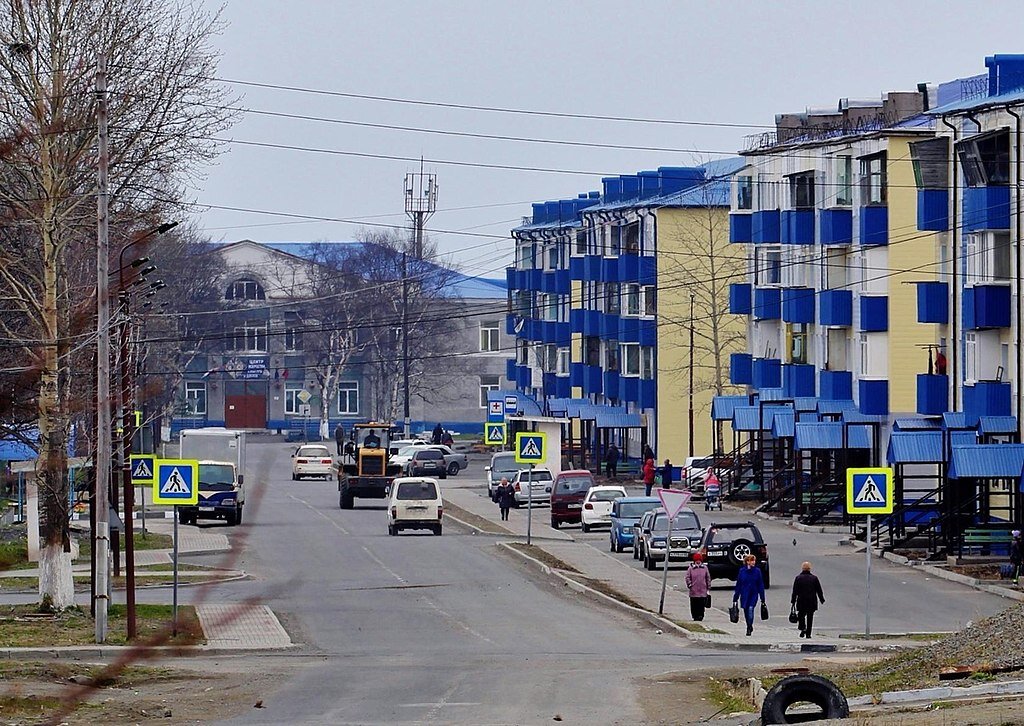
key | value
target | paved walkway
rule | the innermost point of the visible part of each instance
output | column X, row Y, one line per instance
column 241, row 626
column 472, row 502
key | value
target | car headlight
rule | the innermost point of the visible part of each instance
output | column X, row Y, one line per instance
column 227, row 502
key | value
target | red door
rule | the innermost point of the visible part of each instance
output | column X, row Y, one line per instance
column 245, row 406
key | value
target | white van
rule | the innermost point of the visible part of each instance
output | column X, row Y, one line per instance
column 414, row 503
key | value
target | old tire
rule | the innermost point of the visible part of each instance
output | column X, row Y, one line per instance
column 822, row 692
column 554, row 523
column 739, row 549
column 453, row 469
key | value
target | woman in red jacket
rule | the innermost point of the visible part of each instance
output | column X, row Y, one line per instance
column 648, row 472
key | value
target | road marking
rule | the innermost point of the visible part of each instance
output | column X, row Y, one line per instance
column 449, row 616
column 321, row 514
column 380, row 562
column 449, row 703
column 435, row 711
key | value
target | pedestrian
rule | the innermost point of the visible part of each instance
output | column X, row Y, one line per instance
column 1016, row 555
column 698, row 582
column 446, row 439
column 648, row 472
column 339, row 437
column 647, row 452
column 666, row 475
column 435, row 436
column 749, row 590
column 611, row 461
column 940, row 363
column 506, row 498
column 806, row 594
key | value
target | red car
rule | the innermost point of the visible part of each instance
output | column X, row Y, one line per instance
column 567, row 496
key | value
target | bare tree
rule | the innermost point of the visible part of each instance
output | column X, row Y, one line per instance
column 164, row 111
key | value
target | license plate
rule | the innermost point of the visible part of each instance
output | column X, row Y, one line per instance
column 207, row 509
column 575, row 506
column 716, row 554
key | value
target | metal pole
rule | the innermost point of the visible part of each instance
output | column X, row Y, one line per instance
column 529, row 507
column 103, row 422
column 407, row 428
column 174, row 596
column 664, row 570
column 127, row 433
column 691, row 378
column 867, row 603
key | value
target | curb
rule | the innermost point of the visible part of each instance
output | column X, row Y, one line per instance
column 81, row 652
column 811, row 529
column 495, row 534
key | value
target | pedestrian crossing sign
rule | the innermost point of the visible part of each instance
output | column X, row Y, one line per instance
column 494, row 434
column 177, row 482
column 869, row 491
column 530, row 447
column 143, row 469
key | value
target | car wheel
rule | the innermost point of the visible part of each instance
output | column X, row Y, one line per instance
column 391, row 530
column 443, row 475
column 437, row 530
column 648, row 563
column 617, row 545
column 584, row 526
column 232, row 518
column 554, row 523
column 804, row 688
column 294, row 477
column 611, row 543
column 347, row 501
column 453, row 469
column 238, row 515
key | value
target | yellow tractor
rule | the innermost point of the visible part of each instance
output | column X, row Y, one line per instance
column 364, row 469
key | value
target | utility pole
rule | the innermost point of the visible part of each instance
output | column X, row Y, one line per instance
column 690, row 427
column 103, row 416
column 420, row 205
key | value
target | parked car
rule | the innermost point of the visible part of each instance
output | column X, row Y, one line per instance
column 643, row 523
column 567, row 495
column 695, row 470
column 414, row 503
column 597, row 506
column 404, row 455
column 539, row 482
column 398, row 444
column 626, row 512
column 454, row 462
column 426, row 461
column 312, row 461
column 503, row 464
column 686, row 534
column 725, row 544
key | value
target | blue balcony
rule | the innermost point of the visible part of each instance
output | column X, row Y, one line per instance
column 648, row 270
column 835, row 308
column 797, row 227
column 577, row 374
column 592, row 267
column 629, row 268
column 933, row 302
column 576, row 268
column 563, row 282
column 591, row 322
column 986, row 398
column 550, row 381
column 741, row 369
column 836, row 226
column 739, row 298
column 874, row 397
column 798, row 305
column 648, row 394
column 549, row 282
column 531, row 279
column 559, row 388
column 986, row 306
column 648, row 332
column 874, row 225
column 610, row 269
column 511, row 323
column 766, row 373
column 611, row 384
column 592, row 380
column 629, row 389
column 523, row 377
column 835, row 385
column 767, row 303
column 797, row 380
column 512, row 278
column 932, row 394
column 609, row 327
column 986, row 208
column 534, row 330
column 576, row 316
column 510, row 369
column 874, row 313
column 629, row 330
column 765, row 227
column 933, row 210
column 740, row 228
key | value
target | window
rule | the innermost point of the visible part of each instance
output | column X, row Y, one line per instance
column 195, row 398
column 873, row 179
column 348, row 398
column 562, row 367
column 988, row 257
column 548, row 305
column 523, row 353
column 611, row 299
column 767, row 192
column 632, row 295
column 581, row 242
column 611, row 355
column 744, row 192
column 986, row 159
column 647, row 362
column 767, row 266
column 970, row 357
column 250, row 337
column 615, row 241
column 488, row 384
column 649, row 295
column 592, row 346
column 630, row 359
column 292, row 405
column 245, row 289
column 797, row 334
column 553, row 255
column 489, row 336
column 524, row 256
column 844, row 181
column 631, row 240
column 801, row 190
column 293, row 338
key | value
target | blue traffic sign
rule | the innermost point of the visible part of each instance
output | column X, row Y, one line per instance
column 870, row 491
column 531, row 447
column 143, row 469
column 177, row 482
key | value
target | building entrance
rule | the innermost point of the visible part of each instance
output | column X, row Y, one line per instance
column 245, row 405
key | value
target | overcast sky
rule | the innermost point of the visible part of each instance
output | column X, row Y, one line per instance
column 727, row 64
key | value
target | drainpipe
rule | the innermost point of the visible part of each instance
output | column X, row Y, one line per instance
column 1018, row 275
column 954, row 336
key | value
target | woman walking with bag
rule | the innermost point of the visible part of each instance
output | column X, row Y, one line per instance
column 806, row 594
column 749, row 590
column 506, row 498
column 698, row 582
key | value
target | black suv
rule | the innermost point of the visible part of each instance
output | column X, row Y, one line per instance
column 724, row 545
column 427, row 462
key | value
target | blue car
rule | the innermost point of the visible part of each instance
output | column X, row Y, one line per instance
column 626, row 511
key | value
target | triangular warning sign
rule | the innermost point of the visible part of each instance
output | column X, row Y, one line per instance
column 530, row 449
column 175, row 484
column 869, row 493
column 142, row 470
column 673, row 500
column 496, row 434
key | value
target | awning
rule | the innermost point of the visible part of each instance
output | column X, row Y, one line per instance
column 615, row 420
column 754, row 418
column 998, row 424
column 829, row 435
column 525, row 405
column 805, row 403
column 955, row 420
column 12, row 450
column 915, row 447
column 568, row 407
column 917, row 424
column 772, row 394
column 987, row 461
column 852, row 415
column 834, row 407
column 783, row 424
column 723, row 406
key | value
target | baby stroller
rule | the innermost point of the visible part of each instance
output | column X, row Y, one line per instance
column 712, row 493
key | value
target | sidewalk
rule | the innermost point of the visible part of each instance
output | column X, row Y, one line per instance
column 241, row 627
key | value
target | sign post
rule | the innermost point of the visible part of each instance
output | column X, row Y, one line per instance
column 530, row 449
column 869, row 491
column 673, row 500
column 143, row 475
column 495, row 434
column 176, row 483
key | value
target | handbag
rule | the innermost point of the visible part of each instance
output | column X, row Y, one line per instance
column 657, row 480
column 707, row 601
column 764, row 610
column 734, row 613
column 793, row 617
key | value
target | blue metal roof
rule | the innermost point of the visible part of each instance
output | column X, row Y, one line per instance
column 998, row 424
column 916, row 424
column 955, row 420
column 525, row 404
column 829, row 435
column 616, row 420
column 987, row 461
column 783, row 424
column 915, row 447
column 853, row 415
column 772, row 394
column 832, row 407
column 12, row 450
column 723, row 406
column 753, row 418
column 978, row 102
column 805, row 403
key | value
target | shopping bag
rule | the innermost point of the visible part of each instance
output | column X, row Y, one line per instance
column 764, row 610
column 707, row 601
column 734, row 613
column 793, row 617
column 657, row 480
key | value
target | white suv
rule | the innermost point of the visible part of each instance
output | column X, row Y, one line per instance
column 597, row 506
column 539, row 482
column 414, row 503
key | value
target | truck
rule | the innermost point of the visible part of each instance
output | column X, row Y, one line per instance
column 221, row 456
column 364, row 468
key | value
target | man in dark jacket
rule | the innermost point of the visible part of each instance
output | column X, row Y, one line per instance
column 611, row 459
column 506, row 498
column 435, row 436
column 339, row 437
column 666, row 475
column 806, row 594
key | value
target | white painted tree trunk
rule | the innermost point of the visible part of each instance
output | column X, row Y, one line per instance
column 55, row 577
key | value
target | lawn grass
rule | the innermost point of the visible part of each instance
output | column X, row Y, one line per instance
column 548, row 559
column 57, row 671
column 14, row 555
column 726, row 695
column 148, row 541
column 696, row 627
column 75, row 627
